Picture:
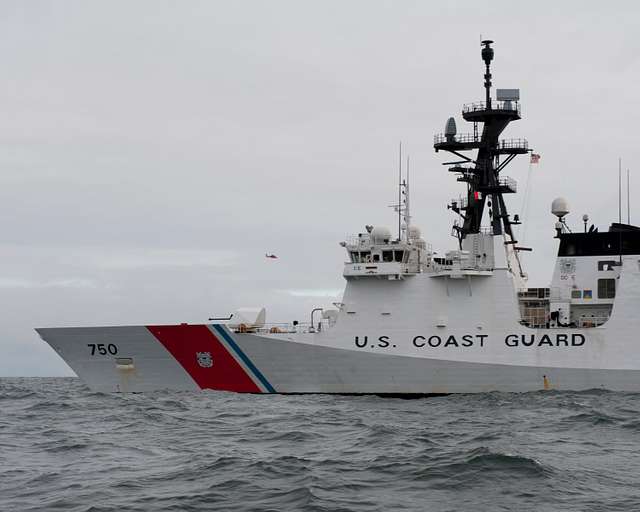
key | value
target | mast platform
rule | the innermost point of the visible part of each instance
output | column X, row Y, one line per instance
column 502, row 110
column 468, row 142
column 513, row 147
column 504, row 185
column 461, row 142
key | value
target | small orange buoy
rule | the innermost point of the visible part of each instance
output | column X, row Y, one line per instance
column 545, row 383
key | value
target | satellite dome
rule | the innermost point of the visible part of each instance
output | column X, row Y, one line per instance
column 450, row 127
column 560, row 207
column 380, row 235
column 414, row 233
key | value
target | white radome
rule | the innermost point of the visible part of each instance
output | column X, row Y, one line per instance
column 560, row 207
column 414, row 233
column 380, row 235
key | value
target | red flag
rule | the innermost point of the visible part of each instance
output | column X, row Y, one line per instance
column 535, row 158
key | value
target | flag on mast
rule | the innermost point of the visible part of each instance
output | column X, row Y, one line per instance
column 535, row 158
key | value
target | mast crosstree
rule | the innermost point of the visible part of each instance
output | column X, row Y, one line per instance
column 485, row 185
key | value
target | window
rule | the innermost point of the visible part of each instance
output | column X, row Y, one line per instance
column 606, row 288
column 607, row 265
column 376, row 258
column 387, row 256
column 365, row 257
column 576, row 294
column 355, row 257
column 399, row 255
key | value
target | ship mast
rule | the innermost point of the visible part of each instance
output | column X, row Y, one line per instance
column 485, row 186
column 402, row 207
column 407, row 205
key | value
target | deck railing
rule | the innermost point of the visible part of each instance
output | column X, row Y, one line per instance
column 461, row 138
column 481, row 106
column 513, row 144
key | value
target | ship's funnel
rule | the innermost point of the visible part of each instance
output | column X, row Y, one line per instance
column 450, row 129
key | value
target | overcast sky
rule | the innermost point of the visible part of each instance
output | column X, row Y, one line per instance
column 152, row 152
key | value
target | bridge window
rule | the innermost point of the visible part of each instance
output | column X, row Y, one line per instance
column 606, row 288
column 387, row 256
column 365, row 257
column 355, row 257
column 399, row 256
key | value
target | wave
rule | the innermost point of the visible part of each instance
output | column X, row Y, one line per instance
column 63, row 447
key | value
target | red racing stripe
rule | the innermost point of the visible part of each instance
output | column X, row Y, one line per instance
column 185, row 341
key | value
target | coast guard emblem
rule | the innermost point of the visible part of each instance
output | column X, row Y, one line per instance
column 204, row 359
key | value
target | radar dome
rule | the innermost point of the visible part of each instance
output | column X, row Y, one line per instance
column 380, row 235
column 560, row 207
column 414, row 233
column 450, row 127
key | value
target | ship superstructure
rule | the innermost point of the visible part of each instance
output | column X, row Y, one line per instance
column 413, row 321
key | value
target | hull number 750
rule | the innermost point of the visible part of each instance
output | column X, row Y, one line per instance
column 102, row 349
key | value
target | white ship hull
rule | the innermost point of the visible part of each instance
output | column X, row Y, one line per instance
column 294, row 367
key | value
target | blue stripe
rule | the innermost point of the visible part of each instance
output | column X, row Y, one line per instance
column 244, row 358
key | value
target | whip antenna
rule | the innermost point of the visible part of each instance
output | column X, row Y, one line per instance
column 620, row 190
column 400, row 191
column 628, row 200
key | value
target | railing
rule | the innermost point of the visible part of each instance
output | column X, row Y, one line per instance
column 513, row 144
column 540, row 320
column 481, row 106
column 469, row 138
column 536, row 318
column 534, row 293
column 593, row 321
column 378, row 268
column 465, row 265
column 509, row 183
column 484, row 230
column 461, row 203
column 273, row 328
column 461, row 261
column 461, row 138
column 356, row 241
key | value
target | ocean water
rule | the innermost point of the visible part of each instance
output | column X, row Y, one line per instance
column 63, row 447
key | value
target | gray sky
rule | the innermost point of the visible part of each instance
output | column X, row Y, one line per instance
column 152, row 152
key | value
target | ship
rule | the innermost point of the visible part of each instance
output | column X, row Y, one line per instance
column 412, row 321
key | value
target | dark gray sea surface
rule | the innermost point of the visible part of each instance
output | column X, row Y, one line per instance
column 63, row 447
